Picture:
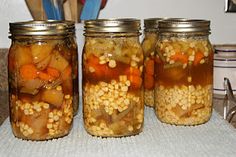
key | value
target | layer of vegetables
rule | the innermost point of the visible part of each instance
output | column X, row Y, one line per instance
column 182, row 62
column 184, row 52
column 120, row 51
column 37, row 69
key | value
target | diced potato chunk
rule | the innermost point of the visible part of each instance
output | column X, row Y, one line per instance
column 41, row 51
column 31, row 86
column 58, row 61
column 23, row 55
column 32, row 91
column 53, row 96
column 44, row 63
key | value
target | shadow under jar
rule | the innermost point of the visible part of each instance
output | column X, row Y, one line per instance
column 148, row 45
column 184, row 72
column 42, row 66
column 112, row 78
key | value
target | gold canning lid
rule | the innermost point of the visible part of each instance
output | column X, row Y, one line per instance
column 42, row 28
column 112, row 26
column 184, row 26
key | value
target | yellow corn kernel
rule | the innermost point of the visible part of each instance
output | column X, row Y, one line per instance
column 30, row 131
column 49, row 125
column 50, row 115
column 102, row 62
column 112, row 63
column 27, row 105
column 138, row 126
column 126, row 101
column 202, row 61
column 25, row 133
column 91, row 69
column 26, row 112
column 130, row 128
column 133, row 64
column 59, row 88
column 189, row 79
column 50, row 120
column 191, row 58
column 38, row 109
column 124, row 89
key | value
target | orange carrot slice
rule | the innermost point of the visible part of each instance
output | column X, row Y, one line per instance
column 198, row 57
column 148, row 81
column 136, row 81
column 133, row 71
column 180, row 57
column 149, row 68
column 28, row 71
column 99, row 71
column 53, row 72
column 45, row 76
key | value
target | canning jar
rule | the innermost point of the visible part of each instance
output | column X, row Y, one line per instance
column 112, row 78
column 43, row 78
column 184, row 72
column 148, row 45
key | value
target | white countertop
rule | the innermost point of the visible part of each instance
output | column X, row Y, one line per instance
column 215, row 138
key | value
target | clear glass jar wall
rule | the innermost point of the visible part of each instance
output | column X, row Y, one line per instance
column 112, row 78
column 43, row 79
column 184, row 72
column 148, row 45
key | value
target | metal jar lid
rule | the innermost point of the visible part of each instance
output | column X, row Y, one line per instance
column 112, row 26
column 184, row 26
column 42, row 28
column 151, row 23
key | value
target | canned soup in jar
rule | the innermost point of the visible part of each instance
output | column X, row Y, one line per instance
column 41, row 81
column 112, row 83
column 184, row 68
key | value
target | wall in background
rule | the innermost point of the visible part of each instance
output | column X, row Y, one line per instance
column 223, row 25
column 11, row 11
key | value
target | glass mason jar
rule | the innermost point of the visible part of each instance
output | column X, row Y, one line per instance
column 112, row 78
column 42, row 66
column 148, row 45
column 184, row 72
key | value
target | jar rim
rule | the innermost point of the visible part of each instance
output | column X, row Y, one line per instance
column 126, row 25
column 42, row 28
column 183, row 25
